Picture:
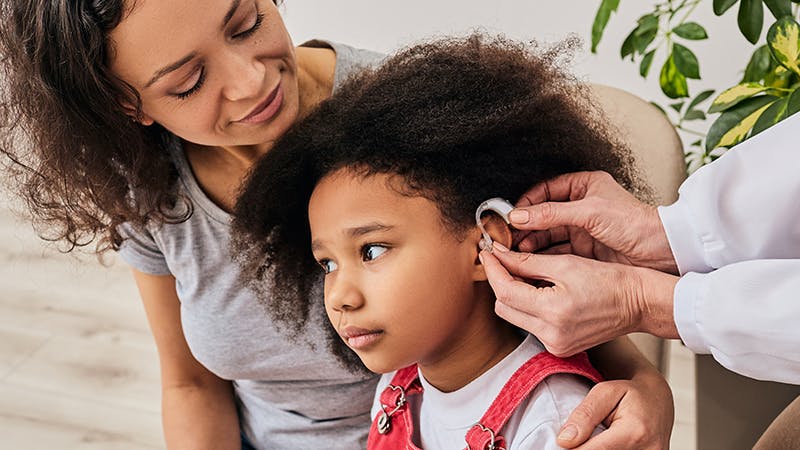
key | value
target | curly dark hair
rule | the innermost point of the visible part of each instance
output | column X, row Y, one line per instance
column 82, row 165
column 460, row 120
column 79, row 160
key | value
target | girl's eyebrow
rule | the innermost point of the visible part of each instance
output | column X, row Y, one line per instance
column 366, row 229
column 355, row 232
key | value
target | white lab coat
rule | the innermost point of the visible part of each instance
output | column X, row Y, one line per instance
column 735, row 234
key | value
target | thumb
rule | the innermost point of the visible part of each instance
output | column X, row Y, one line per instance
column 598, row 404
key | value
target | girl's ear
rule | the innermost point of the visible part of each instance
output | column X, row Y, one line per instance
column 499, row 231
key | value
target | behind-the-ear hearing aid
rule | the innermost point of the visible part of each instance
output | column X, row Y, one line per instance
column 501, row 207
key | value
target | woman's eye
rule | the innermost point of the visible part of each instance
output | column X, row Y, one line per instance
column 197, row 85
column 372, row 251
column 256, row 25
column 328, row 266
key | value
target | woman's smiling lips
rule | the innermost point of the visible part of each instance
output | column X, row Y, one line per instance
column 266, row 109
column 360, row 338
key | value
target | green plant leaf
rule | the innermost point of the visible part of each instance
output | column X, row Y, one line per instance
column 759, row 66
column 720, row 6
column 783, row 39
column 793, row 103
column 779, row 78
column 647, row 23
column 701, row 97
column 694, row 114
column 677, row 106
column 629, row 45
column 751, row 19
column 644, row 40
column 673, row 83
column 691, row 30
column 772, row 115
column 731, row 96
column 779, row 8
column 601, row 20
column 647, row 61
column 733, row 125
column 686, row 61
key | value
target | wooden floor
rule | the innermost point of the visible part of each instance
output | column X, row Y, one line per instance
column 78, row 367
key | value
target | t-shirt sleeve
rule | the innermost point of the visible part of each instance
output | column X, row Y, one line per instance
column 140, row 251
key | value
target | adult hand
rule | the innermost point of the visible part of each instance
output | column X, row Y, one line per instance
column 590, row 215
column 587, row 303
column 639, row 414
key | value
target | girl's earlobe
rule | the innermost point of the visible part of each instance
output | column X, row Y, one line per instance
column 499, row 232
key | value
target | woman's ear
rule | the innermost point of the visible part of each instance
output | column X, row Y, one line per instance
column 499, row 232
column 137, row 116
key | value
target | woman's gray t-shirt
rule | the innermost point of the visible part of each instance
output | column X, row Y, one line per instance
column 291, row 392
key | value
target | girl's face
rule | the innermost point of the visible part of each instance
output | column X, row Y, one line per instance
column 214, row 72
column 400, row 288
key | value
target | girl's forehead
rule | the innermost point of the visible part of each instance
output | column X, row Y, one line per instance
column 347, row 194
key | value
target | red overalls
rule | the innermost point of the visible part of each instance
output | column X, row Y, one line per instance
column 393, row 428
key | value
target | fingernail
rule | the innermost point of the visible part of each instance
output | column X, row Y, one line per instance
column 519, row 216
column 568, row 433
column 499, row 247
column 480, row 256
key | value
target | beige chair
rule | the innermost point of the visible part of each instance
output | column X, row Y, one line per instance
column 659, row 154
column 732, row 411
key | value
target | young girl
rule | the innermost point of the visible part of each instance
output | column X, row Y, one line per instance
column 381, row 184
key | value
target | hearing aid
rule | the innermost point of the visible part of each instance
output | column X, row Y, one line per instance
column 498, row 205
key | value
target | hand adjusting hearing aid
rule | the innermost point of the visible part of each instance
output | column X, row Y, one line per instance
column 501, row 207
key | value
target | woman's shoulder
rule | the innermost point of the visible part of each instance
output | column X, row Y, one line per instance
column 324, row 57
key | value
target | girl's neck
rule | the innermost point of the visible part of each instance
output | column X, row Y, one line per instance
column 482, row 343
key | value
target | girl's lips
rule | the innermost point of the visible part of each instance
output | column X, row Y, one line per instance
column 266, row 109
column 360, row 338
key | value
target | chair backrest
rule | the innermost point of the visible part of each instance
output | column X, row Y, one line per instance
column 659, row 154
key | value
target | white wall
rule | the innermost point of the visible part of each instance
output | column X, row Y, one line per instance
column 386, row 25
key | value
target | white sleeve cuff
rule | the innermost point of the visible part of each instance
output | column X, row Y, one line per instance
column 688, row 301
column 685, row 243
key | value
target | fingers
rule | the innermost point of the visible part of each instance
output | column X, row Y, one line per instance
column 570, row 186
column 527, row 265
column 540, row 239
column 598, row 405
column 549, row 215
column 515, row 299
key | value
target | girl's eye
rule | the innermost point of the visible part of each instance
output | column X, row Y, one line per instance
column 370, row 252
column 256, row 25
column 188, row 93
column 328, row 266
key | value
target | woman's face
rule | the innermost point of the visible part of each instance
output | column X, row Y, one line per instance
column 214, row 72
column 399, row 286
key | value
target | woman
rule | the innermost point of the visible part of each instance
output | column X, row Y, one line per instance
column 142, row 118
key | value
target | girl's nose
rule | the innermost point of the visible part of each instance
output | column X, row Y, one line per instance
column 343, row 295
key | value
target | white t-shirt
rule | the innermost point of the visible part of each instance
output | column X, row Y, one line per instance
column 441, row 420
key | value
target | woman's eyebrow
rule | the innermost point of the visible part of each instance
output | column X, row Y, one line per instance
column 231, row 11
column 179, row 63
column 170, row 68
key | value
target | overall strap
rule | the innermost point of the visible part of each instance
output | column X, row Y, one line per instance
column 406, row 378
column 485, row 434
column 393, row 427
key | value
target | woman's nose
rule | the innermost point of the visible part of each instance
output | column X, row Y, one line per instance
column 244, row 78
column 343, row 295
